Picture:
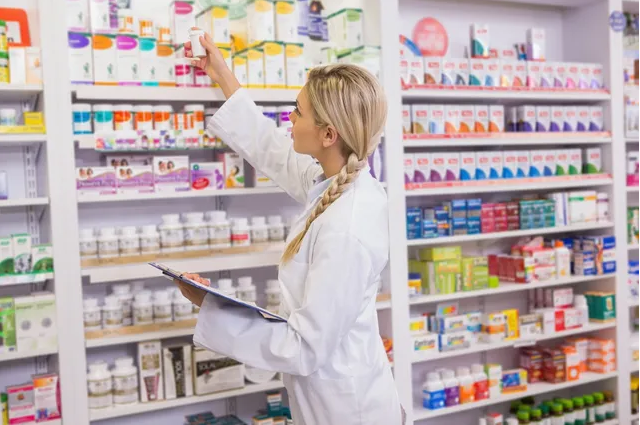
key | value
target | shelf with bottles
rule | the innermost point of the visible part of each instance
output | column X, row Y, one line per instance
column 504, row 139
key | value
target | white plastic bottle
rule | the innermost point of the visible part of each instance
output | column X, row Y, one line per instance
column 142, row 309
column 149, row 239
column 240, row 232
column 219, row 230
column 580, row 304
column 125, row 381
column 162, row 308
column 276, row 228
column 259, row 230
column 88, row 244
column 129, row 242
column 92, row 314
column 182, row 307
column 273, row 295
column 467, row 389
column 226, row 287
column 433, row 392
column 111, row 313
column 246, row 289
column 171, row 234
column 100, row 386
column 480, row 382
column 108, row 243
column 451, row 388
column 123, row 292
column 196, row 233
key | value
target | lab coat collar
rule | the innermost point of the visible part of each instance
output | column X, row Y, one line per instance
column 321, row 183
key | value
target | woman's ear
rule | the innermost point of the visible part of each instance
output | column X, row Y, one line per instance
column 329, row 136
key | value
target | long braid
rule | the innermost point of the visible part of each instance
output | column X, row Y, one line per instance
column 340, row 183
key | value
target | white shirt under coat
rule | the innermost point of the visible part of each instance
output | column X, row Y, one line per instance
column 335, row 367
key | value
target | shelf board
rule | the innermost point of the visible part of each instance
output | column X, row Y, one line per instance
column 632, row 246
column 504, row 288
column 16, row 355
column 25, row 279
column 509, row 185
column 177, row 94
column 508, row 234
column 483, row 348
column 632, row 189
column 21, row 140
column 631, row 139
column 18, row 92
column 88, row 141
column 505, row 139
column 23, row 202
column 136, row 197
column 139, row 408
column 420, row 413
column 634, row 302
column 465, row 93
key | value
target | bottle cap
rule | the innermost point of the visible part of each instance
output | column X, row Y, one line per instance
column 536, row 413
column 274, row 219
column 245, row 282
column 557, row 408
column 216, row 216
column 522, row 415
column 123, row 362
column 273, row 284
column 121, row 289
column 225, row 284
column 578, row 402
column 111, row 301
column 258, row 221
column 477, row 368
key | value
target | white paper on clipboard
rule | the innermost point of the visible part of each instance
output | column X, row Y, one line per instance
column 174, row 274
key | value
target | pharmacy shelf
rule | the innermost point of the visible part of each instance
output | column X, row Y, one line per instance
column 177, row 94
column 420, row 413
column 508, row 234
column 88, row 141
column 136, row 197
column 25, row 279
column 16, row 355
column 631, row 140
column 632, row 189
column 506, row 139
column 23, row 202
column 21, row 140
column 509, row 185
column 18, row 92
column 459, row 93
column 483, row 348
column 504, row 288
column 136, row 409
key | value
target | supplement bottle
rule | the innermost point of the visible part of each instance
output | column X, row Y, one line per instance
column 589, row 409
column 123, row 117
column 142, row 308
column 92, row 314
column 240, row 232
column 226, row 287
column 523, row 418
column 88, row 244
column 100, row 387
column 162, row 117
column 259, row 230
column 123, row 293
column 102, row 118
column 433, row 397
column 108, row 243
column 137, row 287
column 514, row 407
column 125, row 381
column 601, row 410
column 149, row 240
column 451, row 388
column 276, row 228
column 162, row 308
column 610, row 405
column 129, row 242
column 195, row 114
column 536, row 416
column 219, row 230
column 182, row 307
column 273, row 295
column 81, row 118
column 467, row 390
column 602, row 204
column 580, row 304
column 480, row 382
column 143, row 117
column 579, row 412
column 557, row 414
column 111, row 313
column 196, row 233
column 546, row 415
column 246, row 289
column 171, row 234
column 567, row 408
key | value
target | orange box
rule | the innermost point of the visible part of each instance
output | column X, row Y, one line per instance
column 572, row 363
column 582, row 347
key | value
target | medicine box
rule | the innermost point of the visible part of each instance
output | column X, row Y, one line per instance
column 526, row 118
column 17, row 65
column 467, row 166
column 20, row 404
column 6, row 256
column 135, row 179
column 21, row 249
column 496, row 118
column 414, row 223
column 519, row 74
column 346, row 28
column 461, row 71
column 454, row 341
column 483, row 165
column 448, row 71
column 481, row 119
column 575, row 161
column 183, row 18
column 171, row 173
column 42, row 258
column 147, row 74
column 597, row 79
column 240, row 67
column 537, row 164
column 583, row 117
column 233, row 169
column 214, row 372
column 584, row 75
column 514, row 381
column 420, row 119
column 80, row 58
column 406, row 119
column 477, row 71
column 105, row 59
column 570, row 118
column 178, row 373
column 492, row 73
column 506, row 70
column 150, row 371
column 26, row 323
column 596, row 119
column 165, row 65
column 409, row 167
column 452, row 167
column 425, row 342
column 536, row 44
column 593, row 161
column 549, row 162
column 294, row 65
column 495, row 164
column 559, row 74
column 466, row 119
column 422, row 170
column 44, row 320
column 452, row 324
column 509, row 164
column 128, row 60
column 215, row 22
column 255, row 66
column 556, row 118
column 274, row 64
column 207, row 176
column 480, row 41
column 7, row 325
column 523, row 164
column 534, row 74
column 436, row 119
column 451, row 119
column 93, row 181
column 543, row 119
column 547, row 74
column 432, row 70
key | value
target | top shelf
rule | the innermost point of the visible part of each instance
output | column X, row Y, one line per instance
column 18, row 92
column 478, row 93
column 177, row 94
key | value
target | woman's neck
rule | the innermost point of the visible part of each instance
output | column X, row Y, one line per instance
column 332, row 163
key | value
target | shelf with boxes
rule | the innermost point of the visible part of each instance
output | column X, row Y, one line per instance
column 472, row 93
column 428, row 140
column 25, row 279
column 136, row 197
column 18, row 355
column 22, row 140
column 19, row 92
column 23, row 202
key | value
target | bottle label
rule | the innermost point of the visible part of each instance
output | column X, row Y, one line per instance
column 149, row 244
column 143, row 315
column 482, row 390
column 108, row 249
column 99, row 393
column 591, row 414
column 276, row 234
column 111, row 318
column 196, row 236
column 315, row 22
column 569, row 418
column 601, row 413
column 171, row 238
column 452, row 396
column 182, row 311
column 611, row 410
column 162, row 313
column 260, row 235
column 125, row 389
column 88, row 249
column 467, row 394
column 433, row 399
column 92, row 320
column 129, row 246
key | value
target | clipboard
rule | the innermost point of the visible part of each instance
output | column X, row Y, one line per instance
column 174, row 274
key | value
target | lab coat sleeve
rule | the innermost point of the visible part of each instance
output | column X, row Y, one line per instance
column 334, row 294
column 241, row 125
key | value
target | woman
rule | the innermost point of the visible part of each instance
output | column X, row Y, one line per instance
column 335, row 367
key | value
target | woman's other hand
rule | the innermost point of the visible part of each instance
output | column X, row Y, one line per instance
column 213, row 64
column 193, row 294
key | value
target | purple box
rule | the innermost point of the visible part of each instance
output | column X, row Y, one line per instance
column 135, row 179
column 171, row 173
column 96, row 181
column 207, row 176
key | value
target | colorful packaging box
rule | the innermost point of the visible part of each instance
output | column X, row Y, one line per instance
column 495, row 161
column 432, row 70
column 422, row 170
column 507, row 70
column 492, row 73
column 536, row 44
column 436, row 119
column 575, row 161
column 409, row 167
column 526, row 118
column 559, row 74
column 480, row 41
column 543, row 119
column 573, row 75
column 80, row 58
column 207, row 176
column 451, row 119
column 406, row 119
column 414, row 223
column 95, row 181
column 547, row 74
column 105, row 64
column 583, row 118
column 514, row 381
column 596, row 118
column 570, row 118
column 467, row 166
column 294, row 65
column 509, row 164
column 534, row 74
column 481, row 119
column 448, row 71
column 483, row 165
column 562, row 162
column 233, row 169
column 549, row 163
column 496, row 118
column 477, row 72
column 537, row 164
column 171, row 173
column 128, row 60
column 419, row 119
column 519, row 74
column 593, row 161
column 523, row 164
column 557, row 119
column 461, row 71
column 466, row 123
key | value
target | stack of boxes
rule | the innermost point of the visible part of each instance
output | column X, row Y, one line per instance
column 19, row 256
column 28, row 323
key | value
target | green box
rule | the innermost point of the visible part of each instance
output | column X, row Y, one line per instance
column 602, row 306
column 7, row 325
column 444, row 277
column 42, row 258
column 6, row 256
column 441, row 253
column 475, row 273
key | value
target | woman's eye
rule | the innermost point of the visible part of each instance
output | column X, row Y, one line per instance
column 297, row 111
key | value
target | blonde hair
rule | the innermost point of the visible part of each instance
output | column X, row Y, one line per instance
column 350, row 99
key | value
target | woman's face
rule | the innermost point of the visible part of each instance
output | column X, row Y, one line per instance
column 307, row 136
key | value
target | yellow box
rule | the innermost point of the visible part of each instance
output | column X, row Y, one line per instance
column 33, row 118
column 274, row 64
column 294, row 65
column 215, row 21
column 512, row 323
column 255, row 67
column 240, row 67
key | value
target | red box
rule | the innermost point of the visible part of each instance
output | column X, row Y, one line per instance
column 501, row 224
column 500, row 210
column 560, row 320
column 488, row 225
column 494, row 265
column 487, row 211
column 531, row 361
column 553, row 365
column 513, row 209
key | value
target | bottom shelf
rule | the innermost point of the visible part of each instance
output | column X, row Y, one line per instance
column 135, row 409
column 420, row 413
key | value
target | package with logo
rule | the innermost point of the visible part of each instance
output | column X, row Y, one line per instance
column 7, row 325
column 150, row 369
column 178, row 374
column 214, row 372
column 444, row 267
column 294, row 65
column 346, row 28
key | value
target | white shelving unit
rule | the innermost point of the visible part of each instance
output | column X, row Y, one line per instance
column 411, row 142
column 24, row 202
column 177, row 195
column 433, row 95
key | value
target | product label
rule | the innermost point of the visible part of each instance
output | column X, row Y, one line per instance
column 219, row 235
column 92, row 320
column 481, row 390
column 111, row 318
column 108, row 248
column 162, row 313
column 99, row 393
column 433, row 399
column 125, row 389
column 276, row 234
column 452, row 396
column 129, row 246
column 88, row 249
column 142, row 315
column 149, row 244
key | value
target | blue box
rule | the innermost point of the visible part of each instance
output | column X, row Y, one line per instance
column 429, row 229
column 605, row 249
column 458, row 208
column 442, row 220
column 473, row 226
column 474, row 208
column 414, row 223
column 459, row 226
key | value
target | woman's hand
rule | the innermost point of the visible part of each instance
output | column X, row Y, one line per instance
column 193, row 294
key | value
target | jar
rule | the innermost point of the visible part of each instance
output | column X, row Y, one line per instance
column 226, row 287
column 149, row 240
column 162, row 117
column 273, row 294
column 196, row 233
column 142, row 308
column 219, row 230
column 108, row 243
column 143, row 117
column 246, row 289
column 129, row 242
column 100, row 387
column 240, row 232
column 259, row 230
column 184, row 73
column 195, row 114
column 162, row 309
column 415, row 284
column 111, row 313
column 182, row 307
column 201, row 79
column 182, row 121
column 125, row 381
column 271, row 112
column 123, row 117
column 171, row 234
column 137, row 287
column 602, row 203
column 123, row 292
column 283, row 117
column 208, row 114
column 81, row 118
column 276, row 228
column 88, row 244
column 92, row 315
column 102, row 118
column 197, row 48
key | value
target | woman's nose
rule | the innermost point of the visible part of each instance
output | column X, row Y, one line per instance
column 292, row 117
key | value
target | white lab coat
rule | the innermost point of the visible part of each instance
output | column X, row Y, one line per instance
column 335, row 367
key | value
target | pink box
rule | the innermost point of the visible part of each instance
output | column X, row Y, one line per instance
column 135, row 179
column 95, row 181
column 171, row 173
